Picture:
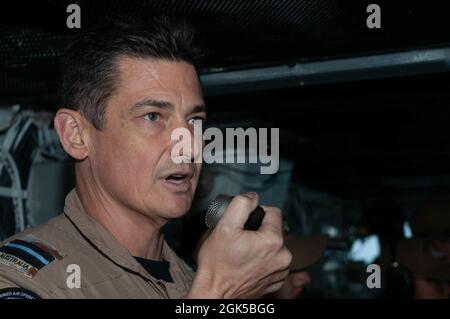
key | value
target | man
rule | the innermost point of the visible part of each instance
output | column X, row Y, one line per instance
column 125, row 89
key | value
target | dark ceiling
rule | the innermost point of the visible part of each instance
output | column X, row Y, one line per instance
column 360, row 133
column 363, row 131
column 234, row 33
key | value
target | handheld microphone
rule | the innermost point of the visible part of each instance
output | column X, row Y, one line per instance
column 218, row 206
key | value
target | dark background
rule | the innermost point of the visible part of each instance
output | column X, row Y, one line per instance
column 380, row 138
column 359, row 131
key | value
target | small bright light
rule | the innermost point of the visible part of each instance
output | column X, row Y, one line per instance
column 407, row 232
column 366, row 249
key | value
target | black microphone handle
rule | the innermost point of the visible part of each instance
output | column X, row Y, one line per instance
column 255, row 219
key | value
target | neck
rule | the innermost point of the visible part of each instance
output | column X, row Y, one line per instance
column 138, row 233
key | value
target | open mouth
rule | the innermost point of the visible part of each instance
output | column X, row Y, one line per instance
column 177, row 178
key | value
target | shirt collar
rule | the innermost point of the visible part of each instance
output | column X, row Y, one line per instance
column 104, row 241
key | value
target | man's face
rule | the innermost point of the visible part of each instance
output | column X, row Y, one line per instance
column 131, row 157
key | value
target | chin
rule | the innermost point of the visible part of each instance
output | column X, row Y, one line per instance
column 176, row 205
column 171, row 203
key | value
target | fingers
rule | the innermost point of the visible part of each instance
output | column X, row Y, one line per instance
column 238, row 210
column 272, row 220
column 274, row 279
column 277, row 281
column 274, row 287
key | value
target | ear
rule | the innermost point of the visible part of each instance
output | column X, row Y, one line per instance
column 72, row 132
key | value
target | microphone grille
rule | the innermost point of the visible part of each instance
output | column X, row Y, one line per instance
column 216, row 210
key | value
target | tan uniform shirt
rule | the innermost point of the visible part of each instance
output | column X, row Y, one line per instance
column 37, row 260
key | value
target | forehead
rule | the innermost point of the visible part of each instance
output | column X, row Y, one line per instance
column 143, row 78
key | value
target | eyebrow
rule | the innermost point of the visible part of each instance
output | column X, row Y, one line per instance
column 165, row 105
column 199, row 108
column 155, row 103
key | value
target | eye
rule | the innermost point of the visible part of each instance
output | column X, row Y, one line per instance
column 152, row 117
column 197, row 118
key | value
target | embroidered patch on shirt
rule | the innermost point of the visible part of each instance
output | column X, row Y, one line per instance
column 22, row 266
column 17, row 293
column 24, row 256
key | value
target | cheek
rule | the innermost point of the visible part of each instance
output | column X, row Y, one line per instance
column 126, row 163
column 140, row 163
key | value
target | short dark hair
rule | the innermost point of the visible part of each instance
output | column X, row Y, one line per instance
column 89, row 63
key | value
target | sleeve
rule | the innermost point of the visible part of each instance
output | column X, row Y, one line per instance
column 10, row 290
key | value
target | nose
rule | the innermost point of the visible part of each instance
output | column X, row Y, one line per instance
column 186, row 142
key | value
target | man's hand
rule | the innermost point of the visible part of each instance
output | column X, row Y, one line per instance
column 237, row 263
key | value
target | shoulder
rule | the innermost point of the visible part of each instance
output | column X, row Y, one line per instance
column 37, row 259
column 36, row 248
column 24, row 256
column 43, row 259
